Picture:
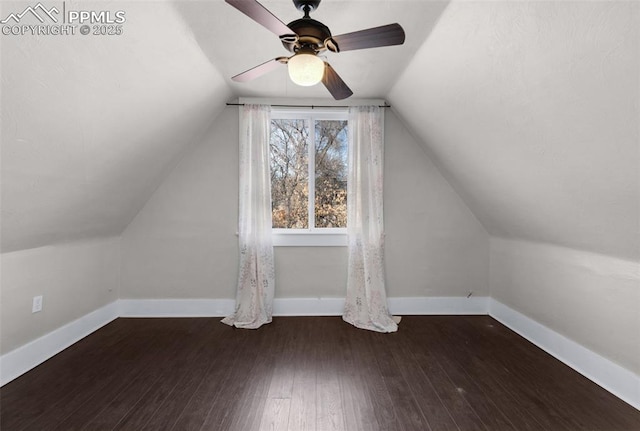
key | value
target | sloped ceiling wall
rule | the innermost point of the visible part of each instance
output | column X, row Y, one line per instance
column 91, row 124
column 531, row 109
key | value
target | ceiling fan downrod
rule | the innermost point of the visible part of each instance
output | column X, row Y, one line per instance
column 306, row 6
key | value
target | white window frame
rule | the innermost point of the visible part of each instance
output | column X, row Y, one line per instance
column 312, row 236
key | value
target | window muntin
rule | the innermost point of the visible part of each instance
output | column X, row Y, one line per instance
column 309, row 172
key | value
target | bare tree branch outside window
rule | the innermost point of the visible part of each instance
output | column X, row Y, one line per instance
column 331, row 173
column 290, row 173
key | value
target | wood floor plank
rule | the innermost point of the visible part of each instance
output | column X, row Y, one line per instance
column 421, row 387
column 509, row 391
column 534, row 382
column 429, row 358
column 439, row 373
column 164, row 417
column 302, row 411
column 105, row 371
column 329, row 409
column 215, row 384
column 225, row 406
column 358, row 407
column 166, row 355
column 384, row 414
column 81, row 365
column 176, row 369
column 252, row 398
column 279, row 397
column 408, row 413
column 553, row 382
column 151, row 339
column 276, row 414
column 482, row 403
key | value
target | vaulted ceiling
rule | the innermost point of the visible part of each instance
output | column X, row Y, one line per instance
column 530, row 109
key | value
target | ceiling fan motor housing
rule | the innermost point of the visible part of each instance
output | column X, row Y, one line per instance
column 311, row 33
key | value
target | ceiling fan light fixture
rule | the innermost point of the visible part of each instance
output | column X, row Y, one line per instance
column 306, row 68
column 307, row 38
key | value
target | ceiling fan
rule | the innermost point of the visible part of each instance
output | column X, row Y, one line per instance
column 306, row 38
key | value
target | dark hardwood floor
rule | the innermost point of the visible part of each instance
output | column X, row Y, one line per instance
column 308, row 373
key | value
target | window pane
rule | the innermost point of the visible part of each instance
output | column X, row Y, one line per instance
column 289, row 174
column 331, row 173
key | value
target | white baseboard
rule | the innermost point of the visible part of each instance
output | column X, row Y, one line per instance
column 176, row 307
column 308, row 306
column 618, row 380
column 224, row 307
column 298, row 306
column 32, row 354
column 439, row 305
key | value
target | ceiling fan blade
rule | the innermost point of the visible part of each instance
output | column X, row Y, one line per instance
column 386, row 35
column 335, row 84
column 261, row 15
column 259, row 70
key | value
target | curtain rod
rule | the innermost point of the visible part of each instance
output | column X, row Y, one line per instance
column 304, row 106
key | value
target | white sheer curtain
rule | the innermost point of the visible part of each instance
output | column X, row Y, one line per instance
column 366, row 302
column 256, row 279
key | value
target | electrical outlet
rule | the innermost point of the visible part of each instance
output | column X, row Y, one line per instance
column 37, row 304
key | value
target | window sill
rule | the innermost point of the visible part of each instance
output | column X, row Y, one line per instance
column 306, row 238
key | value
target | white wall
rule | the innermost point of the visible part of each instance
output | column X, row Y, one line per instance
column 90, row 127
column 531, row 109
column 182, row 244
column 74, row 280
column 590, row 298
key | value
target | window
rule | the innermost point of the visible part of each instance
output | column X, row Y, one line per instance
column 309, row 177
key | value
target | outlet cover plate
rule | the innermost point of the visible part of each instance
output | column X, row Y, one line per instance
column 37, row 304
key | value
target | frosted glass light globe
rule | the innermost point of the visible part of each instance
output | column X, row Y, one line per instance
column 306, row 69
